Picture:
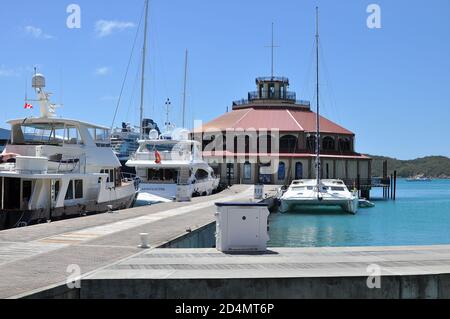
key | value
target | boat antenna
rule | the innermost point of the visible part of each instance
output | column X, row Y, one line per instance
column 168, row 124
column 144, row 52
column 185, row 86
column 272, row 46
column 318, row 163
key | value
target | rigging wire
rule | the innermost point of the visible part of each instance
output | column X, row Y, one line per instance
column 307, row 81
column 332, row 99
column 133, row 93
column 127, row 70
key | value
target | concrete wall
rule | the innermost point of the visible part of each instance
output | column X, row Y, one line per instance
column 393, row 287
column 204, row 237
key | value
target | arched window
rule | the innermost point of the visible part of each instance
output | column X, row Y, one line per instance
column 344, row 145
column 265, row 144
column 242, row 144
column 288, row 144
column 281, row 171
column 328, row 144
column 247, row 171
column 311, row 143
column 299, row 170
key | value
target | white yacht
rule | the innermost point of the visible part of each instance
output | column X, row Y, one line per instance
column 319, row 192
column 165, row 162
column 328, row 193
column 55, row 168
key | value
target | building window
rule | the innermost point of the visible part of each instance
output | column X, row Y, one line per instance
column 282, row 171
column 328, row 144
column 271, row 90
column 247, row 171
column 311, row 143
column 344, row 145
column 230, row 173
column 299, row 170
column 288, row 144
column 265, row 144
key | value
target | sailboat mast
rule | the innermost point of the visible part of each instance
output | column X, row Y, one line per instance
column 318, row 164
column 144, row 53
column 185, row 86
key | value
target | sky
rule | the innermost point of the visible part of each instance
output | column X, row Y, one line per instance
column 388, row 85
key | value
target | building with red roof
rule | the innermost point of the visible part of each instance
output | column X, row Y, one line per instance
column 270, row 138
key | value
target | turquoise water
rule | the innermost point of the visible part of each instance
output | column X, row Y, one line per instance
column 420, row 216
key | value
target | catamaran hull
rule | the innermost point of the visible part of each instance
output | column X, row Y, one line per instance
column 349, row 205
column 19, row 218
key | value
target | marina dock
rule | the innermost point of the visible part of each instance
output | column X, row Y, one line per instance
column 37, row 261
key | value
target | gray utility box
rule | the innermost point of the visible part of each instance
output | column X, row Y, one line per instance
column 242, row 227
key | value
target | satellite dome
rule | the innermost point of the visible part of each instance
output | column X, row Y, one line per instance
column 153, row 135
column 180, row 134
column 38, row 81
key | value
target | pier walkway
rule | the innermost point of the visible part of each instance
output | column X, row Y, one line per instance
column 407, row 272
column 35, row 258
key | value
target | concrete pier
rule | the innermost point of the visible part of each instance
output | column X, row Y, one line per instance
column 34, row 260
column 281, row 273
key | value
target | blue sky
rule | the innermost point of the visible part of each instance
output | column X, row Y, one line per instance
column 391, row 86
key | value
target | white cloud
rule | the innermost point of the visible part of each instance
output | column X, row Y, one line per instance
column 104, row 28
column 36, row 33
column 103, row 71
column 109, row 98
column 4, row 72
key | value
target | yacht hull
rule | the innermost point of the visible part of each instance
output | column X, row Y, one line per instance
column 169, row 191
column 21, row 218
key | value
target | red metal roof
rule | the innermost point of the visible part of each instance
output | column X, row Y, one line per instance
column 284, row 119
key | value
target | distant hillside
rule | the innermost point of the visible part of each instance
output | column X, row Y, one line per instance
column 432, row 166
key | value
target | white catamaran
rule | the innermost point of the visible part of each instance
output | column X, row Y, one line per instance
column 319, row 192
column 55, row 168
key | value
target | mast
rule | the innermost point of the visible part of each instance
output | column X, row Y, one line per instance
column 318, row 163
column 272, row 72
column 144, row 52
column 185, row 86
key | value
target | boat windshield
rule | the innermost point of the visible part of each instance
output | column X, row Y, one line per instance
column 55, row 134
column 100, row 136
column 160, row 147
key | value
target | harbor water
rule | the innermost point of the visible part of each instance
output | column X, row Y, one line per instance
column 420, row 216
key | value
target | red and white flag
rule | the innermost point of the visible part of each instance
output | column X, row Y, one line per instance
column 28, row 106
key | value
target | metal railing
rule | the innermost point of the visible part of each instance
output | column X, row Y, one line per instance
column 272, row 78
column 254, row 96
column 360, row 183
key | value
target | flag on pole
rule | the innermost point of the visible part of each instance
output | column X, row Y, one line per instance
column 28, row 106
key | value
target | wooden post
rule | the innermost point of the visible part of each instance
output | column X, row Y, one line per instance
column 392, row 186
column 395, row 185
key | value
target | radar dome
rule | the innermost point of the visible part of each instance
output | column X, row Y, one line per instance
column 153, row 135
column 180, row 134
column 38, row 81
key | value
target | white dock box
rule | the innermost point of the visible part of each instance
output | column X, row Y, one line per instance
column 242, row 227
